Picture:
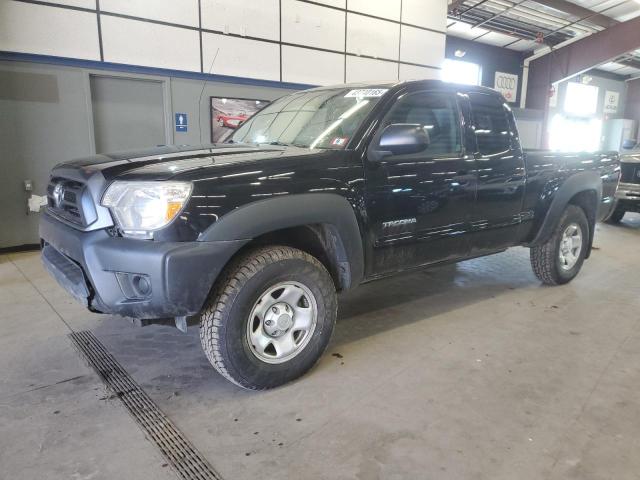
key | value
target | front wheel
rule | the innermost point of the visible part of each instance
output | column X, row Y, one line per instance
column 560, row 259
column 270, row 317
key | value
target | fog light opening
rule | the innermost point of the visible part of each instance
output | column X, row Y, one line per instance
column 134, row 286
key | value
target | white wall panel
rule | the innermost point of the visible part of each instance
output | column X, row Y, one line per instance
column 334, row 3
column 29, row 28
column 301, row 65
column 241, row 57
column 253, row 18
column 142, row 43
column 59, row 31
column 422, row 46
column 380, row 8
column 76, row 3
column 366, row 70
column 411, row 72
column 369, row 36
column 183, row 12
column 425, row 13
column 312, row 25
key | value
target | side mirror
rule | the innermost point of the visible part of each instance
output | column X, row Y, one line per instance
column 402, row 139
column 628, row 144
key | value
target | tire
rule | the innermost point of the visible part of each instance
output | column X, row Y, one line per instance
column 234, row 323
column 616, row 216
column 550, row 265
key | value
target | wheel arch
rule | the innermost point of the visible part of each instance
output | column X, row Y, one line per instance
column 323, row 225
column 582, row 189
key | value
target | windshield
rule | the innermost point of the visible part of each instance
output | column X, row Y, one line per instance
column 313, row 119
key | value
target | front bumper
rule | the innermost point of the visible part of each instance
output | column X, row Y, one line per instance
column 95, row 268
column 628, row 196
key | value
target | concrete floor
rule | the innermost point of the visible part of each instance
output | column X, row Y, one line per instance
column 473, row 371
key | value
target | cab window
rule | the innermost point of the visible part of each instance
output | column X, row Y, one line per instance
column 437, row 113
column 491, row 123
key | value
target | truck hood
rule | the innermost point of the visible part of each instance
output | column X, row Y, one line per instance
column 166, row 162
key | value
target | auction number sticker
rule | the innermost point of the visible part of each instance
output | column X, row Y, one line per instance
column 367, row 92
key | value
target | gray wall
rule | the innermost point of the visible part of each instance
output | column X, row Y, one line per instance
column 45, row 118
column 185, row 96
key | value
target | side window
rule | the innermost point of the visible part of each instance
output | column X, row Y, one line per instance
column 491, row 124
column 437, row 113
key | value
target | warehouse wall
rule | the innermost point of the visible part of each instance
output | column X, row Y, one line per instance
column 491, row 59
column 45, row 118
column 632, row 103
column 604, row 85
column 301, row 41
column 265, row 49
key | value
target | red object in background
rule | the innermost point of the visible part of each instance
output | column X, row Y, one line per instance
column 231, row 121
column 539, row 37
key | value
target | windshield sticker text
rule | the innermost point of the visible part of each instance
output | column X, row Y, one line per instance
column 367, row 92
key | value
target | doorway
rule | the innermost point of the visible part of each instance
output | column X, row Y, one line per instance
column 128, row 113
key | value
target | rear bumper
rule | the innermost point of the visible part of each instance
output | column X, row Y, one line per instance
column 103, row 272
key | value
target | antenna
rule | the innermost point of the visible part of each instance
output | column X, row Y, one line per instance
column 204, row 84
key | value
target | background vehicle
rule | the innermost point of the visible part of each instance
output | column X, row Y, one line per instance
column 628, row 193
column 316, row 193
column 231, row 121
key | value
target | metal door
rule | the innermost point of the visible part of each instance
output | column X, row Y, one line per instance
column 128, row 113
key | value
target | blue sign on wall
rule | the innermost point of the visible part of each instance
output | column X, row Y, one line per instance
column 181, row 122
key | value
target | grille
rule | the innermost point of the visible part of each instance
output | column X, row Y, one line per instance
column 630, row 172
column 66, row 202
column 180, row 454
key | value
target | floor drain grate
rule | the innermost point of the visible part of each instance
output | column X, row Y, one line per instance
column 178, row 451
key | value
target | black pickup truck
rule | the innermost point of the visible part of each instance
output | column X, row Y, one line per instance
column 320, row 191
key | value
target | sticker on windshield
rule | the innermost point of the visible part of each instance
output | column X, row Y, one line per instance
column 339, row 141
column 367, row 92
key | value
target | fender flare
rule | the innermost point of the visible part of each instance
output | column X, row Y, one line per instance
column 575, row 184
column 269, row 215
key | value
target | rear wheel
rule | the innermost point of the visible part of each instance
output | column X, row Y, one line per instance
column 560, row 259
column 270, row 318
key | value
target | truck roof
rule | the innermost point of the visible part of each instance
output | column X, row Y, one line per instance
column 455, row 87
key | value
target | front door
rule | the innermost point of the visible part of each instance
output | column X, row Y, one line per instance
column 419, row 204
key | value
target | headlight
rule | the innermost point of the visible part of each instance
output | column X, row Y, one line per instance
column 140, row 208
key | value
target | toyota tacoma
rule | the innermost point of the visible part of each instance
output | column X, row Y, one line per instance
column 317, row 193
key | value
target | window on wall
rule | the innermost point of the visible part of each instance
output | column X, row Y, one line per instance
column 581, row 99
column 457, row 71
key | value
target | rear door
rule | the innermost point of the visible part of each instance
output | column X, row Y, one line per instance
column 501, row 175
column 419, row 205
